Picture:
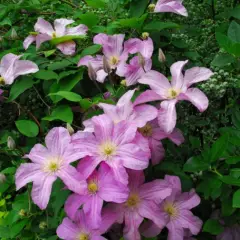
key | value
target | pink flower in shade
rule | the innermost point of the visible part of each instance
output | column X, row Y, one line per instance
column 142, row 203
column 174, row 6
column 118, row 145
column 45, row 32
column 115, row 54
column 48, row 163
column 81, row 228
column 176, row 214
column 173, row 92
column 154, row 135
column 101, row 187
column 11, row 67
column 230, row 233
column 1, row 92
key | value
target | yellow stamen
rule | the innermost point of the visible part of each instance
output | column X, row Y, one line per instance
column 83, row 236
column 113, row 60
column 173, row 93
column 145, row 35
column 2, row 81
column 147, row 130
column 133, row 200
column 92, row 187
column 171, row 209
column 108, row 149
column 54, row 35
column 52, row 165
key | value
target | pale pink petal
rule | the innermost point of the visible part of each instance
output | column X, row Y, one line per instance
column 174, row 182
column 67, row 48
column 156, row 190
column 125, row 99
column 67, row 230
column 28, row 41
column 96, row 62
column 110, row 110
column 196, row 74
column 92, row 209
column 157, row 82
column 132, row 223
column 43, row 26
column 147, row 96
column 175, row 231
column 132, row 45
column 114, row 45
column 88, row 125
column 73, row 203
column 101, row 75
column 41, row 190
column 167, row 116
column 38, row 154
column 143, row 143
column 100, row 38
column 60, row 26
column 78, row 30
column 149, row 229
column 41, row 38
column 73, row 179
column 146, row 48
column 136, row 179
column 196, row 97
column 98, row 238
column 27, row 172
column 188, row 200
column 24, row 67
column 177, row 76
column 157, row 151
column 176, row 136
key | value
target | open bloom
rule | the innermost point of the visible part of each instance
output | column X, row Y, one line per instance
column 141, row 203
column 118, row 145
column 11, row 67
column 45, row 32
column 154, row 135
column 174, row 6
column 48, row 163
column 176, row 214
column 175, row 91
column 81, row 228
column 101, row 187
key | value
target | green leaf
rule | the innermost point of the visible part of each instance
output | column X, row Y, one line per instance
column 132, row 22
column 49, row 52
column 233, row 160
column 70, row 96
column 91, row 50
column 96, row 3
column 230, row 180
column 222, row 59
column 227, row 209
column 195, row 164
column 85, row 104
column 46, row 75
column 236, row 12
column 180, row 43
column 159, row 26
column 68, row 38
column 236, row 199
column 140, row 9
column 234, row 32
column 19, row 87
column 59, row 65
column 62, row 112
column 89, row 19
column 17, row 227
column 27, row 128
column 213, row 226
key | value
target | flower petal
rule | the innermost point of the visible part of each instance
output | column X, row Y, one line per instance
column 96, row 62
column 78, row 30
column 174, row 182
column 100, row 38
column 60, row 26
column 43, row 26
column 41, row 38
column 67, row 48
column 136, row 179
column 23, row 67
column 188, row 200
column 38, row 153
column 101, row 75
column 114, row 45
column 147, row 96
column 177, row 76
column 28, row 41
column 149, row 229
column 132, row 45
column 67, row 229
column 175, row 231
column 146, row 48
column 176, row 136
column 157, row 151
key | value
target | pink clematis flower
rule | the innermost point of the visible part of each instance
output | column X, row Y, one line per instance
column 175, row 91
column 81, row 228
column 118, row 145
column 230, row 233
column 11, row 67
column 176, row 214
column 141, row 203
column 101, row 187
column 174, row 6
column 154, row 135
column 45, row 32
column 115, row 54
column 48, row 163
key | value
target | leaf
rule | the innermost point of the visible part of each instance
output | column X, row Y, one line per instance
column 19, row 87
column 233, row 160
column 89, row 19
column 59, row 65
column 91, row 50
column 17, row 227
column 46, row 75
column 236, row 199
column 222, row 60
column 234, row 32
column 132, row 22
column 49, row 52
column 159, row 26
column 140, row 9
column 27, row 128
column 96, row 3
column 68, row 38
column 195, row 164
column 213, row 226
column 85, row 104
column 70, row 96
column 230, row 180
column 62, row 112
column 236, row 12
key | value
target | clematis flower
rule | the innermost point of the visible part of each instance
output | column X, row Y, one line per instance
column 175, row 91
column 101, row 187
column 230, row 233
column 45, row 32
column 114, row 55
column 114, row 144
column 174, row 6
column 11, row 68
column 49, row 163
column 154, row 135
column 176, row 214
column 81, row 228
column 141, row 203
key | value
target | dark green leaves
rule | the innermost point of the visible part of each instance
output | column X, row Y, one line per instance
column 46, row 75
column 213, row 226
column 195, row 164
column 27, row 128
column 222, row 60
column 70, row 96
column 234, row 32
column 159, row 26
column 236, row 199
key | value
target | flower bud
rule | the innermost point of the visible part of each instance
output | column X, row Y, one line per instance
column 106, row 66
column 70, row 129
column 151, row 7
column 11, row 143
column 141, row 60
column 91, row 72
column 107, row 95
column 161, row 56
column 2, row 178
column 13, row 34
column 124, row 83
column 42, row 225
column 22, row 213
column 145, row 35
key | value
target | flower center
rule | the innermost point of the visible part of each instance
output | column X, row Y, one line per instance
column 108, row 149
column 83, row 236
column 92, row 187
column 113, row 60
column 2, row 81
column 171, row 209
column 133, row 200
column 173, row 93
column 52, row 165
column 147, row 130
column 54, row 35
